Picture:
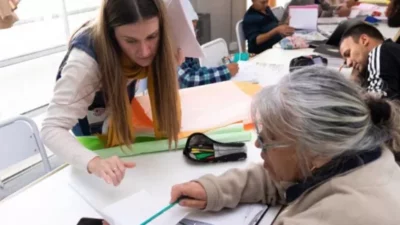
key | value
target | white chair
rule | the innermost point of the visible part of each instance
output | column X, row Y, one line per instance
column 241, row 39
column 278, row 12
column 19, row 140
column 214, row 51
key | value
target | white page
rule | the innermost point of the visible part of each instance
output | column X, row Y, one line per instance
column 303, row 18
column 139, row 207
column 331, row 20
column 262, row 73
column 183, row 30
column 243, row 214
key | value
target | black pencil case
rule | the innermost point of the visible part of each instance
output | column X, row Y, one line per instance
column 200, row 148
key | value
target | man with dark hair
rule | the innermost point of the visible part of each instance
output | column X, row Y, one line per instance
column 376, row 61
column 262, row 29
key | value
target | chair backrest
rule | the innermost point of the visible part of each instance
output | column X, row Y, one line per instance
column 278, row 12
column 396, row 38
column 241, row 39
column 19, row 140
column 214, row 51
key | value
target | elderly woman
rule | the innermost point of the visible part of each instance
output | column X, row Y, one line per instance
column 327, row 156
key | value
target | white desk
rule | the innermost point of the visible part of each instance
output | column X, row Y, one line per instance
column 52, row 201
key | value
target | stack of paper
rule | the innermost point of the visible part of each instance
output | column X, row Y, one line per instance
column 331, row 20
column 262, row 73
column 243, row 214
column 139, row 207
column 303, row 17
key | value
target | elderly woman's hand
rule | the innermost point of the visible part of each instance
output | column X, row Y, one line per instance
column 194, row 195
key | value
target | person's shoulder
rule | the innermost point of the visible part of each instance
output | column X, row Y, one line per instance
column 343, row 208
column 250, row 16
column 390, row 45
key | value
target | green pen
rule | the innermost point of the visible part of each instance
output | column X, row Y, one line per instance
column 162, row 211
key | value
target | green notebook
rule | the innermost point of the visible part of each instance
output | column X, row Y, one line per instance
column 148, row 144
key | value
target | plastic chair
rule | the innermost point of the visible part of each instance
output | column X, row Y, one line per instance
column 241, row 39
column 19, row 140
column 214, row 51
column 278, row 12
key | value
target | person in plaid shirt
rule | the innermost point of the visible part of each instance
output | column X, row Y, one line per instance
column 191, row 74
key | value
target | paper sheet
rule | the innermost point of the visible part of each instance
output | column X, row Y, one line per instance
column 243, row 214
column 209, row 106
column 310, row 35
column 183, row 30
column 331, row 20
column 303, row 17
column 139, row 207
column 262, row 73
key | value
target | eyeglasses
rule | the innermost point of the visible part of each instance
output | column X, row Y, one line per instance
column 265, row 147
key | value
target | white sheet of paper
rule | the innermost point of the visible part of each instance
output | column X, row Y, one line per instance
column 243, row 214
column 139, row 207
column 183, row 30
column 331, row 20
column 262, row 73
column 305, row 18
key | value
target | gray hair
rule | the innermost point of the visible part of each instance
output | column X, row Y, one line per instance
column 320, row 111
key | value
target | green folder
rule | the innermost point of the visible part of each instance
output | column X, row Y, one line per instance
column 148, row 144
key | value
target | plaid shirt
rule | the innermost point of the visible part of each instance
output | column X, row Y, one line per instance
column 191, row 74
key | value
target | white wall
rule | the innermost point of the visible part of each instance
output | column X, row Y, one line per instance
column 224, row 16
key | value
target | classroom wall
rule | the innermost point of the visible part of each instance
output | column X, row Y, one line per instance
column 224, row 16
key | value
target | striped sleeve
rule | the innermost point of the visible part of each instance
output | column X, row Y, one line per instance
column 384, row 73
column 375, row 82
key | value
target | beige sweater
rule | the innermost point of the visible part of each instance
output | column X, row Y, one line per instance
column 367, row 195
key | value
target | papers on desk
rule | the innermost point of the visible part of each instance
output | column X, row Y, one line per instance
column 310, row 35
column 331, row 20
column 261, row 73
column 139, row 207
column 243, row 214
column 183, row 30
column 303, row 17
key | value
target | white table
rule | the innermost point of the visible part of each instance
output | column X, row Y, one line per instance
column 53, row 201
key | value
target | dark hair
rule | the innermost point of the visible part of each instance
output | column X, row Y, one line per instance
column 393, row 13
column 357, row 30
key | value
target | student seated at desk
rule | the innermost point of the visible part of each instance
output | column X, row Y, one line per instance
column 393, row 13
column 262, row 29
column 129, row 40
column 191, row 74
column 327, row 155
column 377, row 61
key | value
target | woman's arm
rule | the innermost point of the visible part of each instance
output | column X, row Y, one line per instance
column 73, row 94
column 249, row 185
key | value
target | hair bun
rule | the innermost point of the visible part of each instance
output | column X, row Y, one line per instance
column 380, row 111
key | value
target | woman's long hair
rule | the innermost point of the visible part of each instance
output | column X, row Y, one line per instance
column 115, row 13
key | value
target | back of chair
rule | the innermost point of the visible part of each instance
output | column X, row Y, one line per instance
column 241, row 39
column 214, row 51
column 396, row 38
column 278, row 12
column 19, row 140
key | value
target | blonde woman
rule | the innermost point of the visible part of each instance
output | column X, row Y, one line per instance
column 129, row 40
column 328, row 156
